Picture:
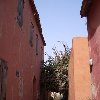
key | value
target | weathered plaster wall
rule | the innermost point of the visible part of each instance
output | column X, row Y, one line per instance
column 79, row 70
column 16, row 50
column 93, row 26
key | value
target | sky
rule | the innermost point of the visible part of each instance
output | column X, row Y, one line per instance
column 60, row 21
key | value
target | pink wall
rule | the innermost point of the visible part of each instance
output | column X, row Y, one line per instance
column 16, row 50
column 93, row 26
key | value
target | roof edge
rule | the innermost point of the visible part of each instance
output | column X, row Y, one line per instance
column 86, row 5
column 37, row 19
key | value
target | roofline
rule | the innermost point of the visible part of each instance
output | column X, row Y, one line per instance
column 37, row 19
column 86, row 5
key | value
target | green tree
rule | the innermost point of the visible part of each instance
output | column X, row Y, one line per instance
column 54, row 71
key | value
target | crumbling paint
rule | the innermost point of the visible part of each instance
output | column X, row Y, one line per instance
column 94, row 90
column 21, row 87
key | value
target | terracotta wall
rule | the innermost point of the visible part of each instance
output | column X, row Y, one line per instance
column 93, row 26
column 79, row 70
column 17, row 52
column 71, row 77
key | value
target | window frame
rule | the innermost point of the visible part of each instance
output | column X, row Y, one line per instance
column 20, row 7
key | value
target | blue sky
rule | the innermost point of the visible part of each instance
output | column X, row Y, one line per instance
column 61, row 21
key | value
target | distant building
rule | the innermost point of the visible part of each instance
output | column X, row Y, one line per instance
column 79, row 70
column 91, row 10
column 21, row 50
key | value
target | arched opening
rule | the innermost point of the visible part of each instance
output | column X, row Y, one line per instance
column 3, row 79
column 34, row 89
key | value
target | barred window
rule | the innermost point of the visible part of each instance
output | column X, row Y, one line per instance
column 20, row 12
column 31, row 35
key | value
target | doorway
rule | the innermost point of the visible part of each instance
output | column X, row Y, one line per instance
column 3, row 79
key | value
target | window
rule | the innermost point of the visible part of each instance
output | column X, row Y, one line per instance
column 31, row 35
column 36, row 44
column 41, row 54
column 20, row 12
column 17, row 73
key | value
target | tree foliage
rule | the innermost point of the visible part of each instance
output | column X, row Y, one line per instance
column 54, row 71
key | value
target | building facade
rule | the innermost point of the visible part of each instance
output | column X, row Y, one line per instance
column 91, row 10
column 79, row 70
column 21, row 50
